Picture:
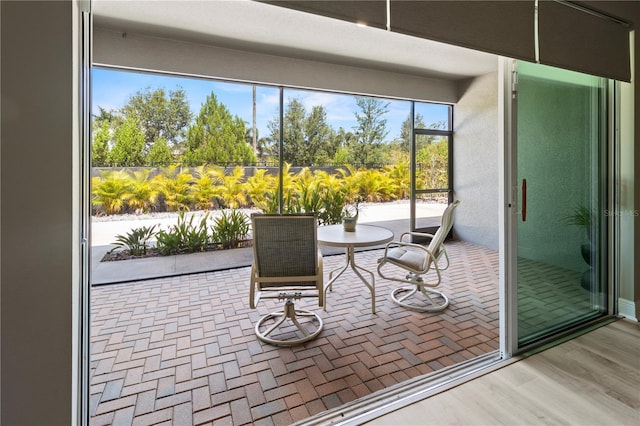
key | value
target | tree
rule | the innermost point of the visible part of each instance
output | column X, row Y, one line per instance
column 293, row 130
column 370, row 131
column 318, row 136
column 432, row 163
column 100, row 145
column 160, row 153
column 217, row 137
column 406, row 131
column 128, row 147
column 159, row 115
column 308, row 138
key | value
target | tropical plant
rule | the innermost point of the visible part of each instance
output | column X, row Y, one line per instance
column 174, row 183
column 350, row 185
column 399, row 179
column 203, row 190
column 230, row 228
column 308, row 192
column 230, row 189
column 432, row 163
column 109, row 191
column 334, row 200
column 184, row 237
column 195, row 237
column 582, row 217
column 136, row 241
column 168, row 242
column 142, row 193
column 261, row 189
column 373, row 186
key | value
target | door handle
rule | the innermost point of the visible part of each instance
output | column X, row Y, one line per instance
column 524, row 200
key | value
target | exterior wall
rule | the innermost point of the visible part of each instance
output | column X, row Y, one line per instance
column 37, row 243
column 476, row 161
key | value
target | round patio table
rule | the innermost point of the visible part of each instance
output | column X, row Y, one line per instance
column 363, row 236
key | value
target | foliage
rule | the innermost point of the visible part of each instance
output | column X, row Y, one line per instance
column 582, row 217
column 308, row 138
column 308, row 196
column 128, row 146
column 400, row 180
column 206, row 187
column 230, row 228
column 174, row 183
column 160, row 117
column 318, row 147
column 333, row 201
column 184, row 237
column 160, row 153
column 168, row 242
column 432, row 164
column 100, row 145
column 136, row 241
column 406, row 131
column 110, row 191
column 230, row 189
column 370, row 131
column 261, row 188
column 141, row 194
column 203, row 190
column 217, row 137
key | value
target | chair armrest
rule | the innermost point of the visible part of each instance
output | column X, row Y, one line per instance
column 394, row 244
column 416, row 234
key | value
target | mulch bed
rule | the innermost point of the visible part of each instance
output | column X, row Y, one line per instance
column 124, row 254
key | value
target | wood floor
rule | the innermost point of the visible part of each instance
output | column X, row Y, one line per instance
column 591, row 380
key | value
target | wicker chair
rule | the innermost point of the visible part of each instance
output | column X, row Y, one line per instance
column 287, row 266
column 417, row 260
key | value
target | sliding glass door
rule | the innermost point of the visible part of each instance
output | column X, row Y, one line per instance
column 561, row 170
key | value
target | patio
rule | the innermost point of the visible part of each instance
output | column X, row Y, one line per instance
column 181, row 350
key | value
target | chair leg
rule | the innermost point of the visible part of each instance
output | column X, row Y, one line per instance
column 291, row 313
column 429, row 294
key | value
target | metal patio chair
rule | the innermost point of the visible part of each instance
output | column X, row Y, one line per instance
column 417, row 260
column 287, row 266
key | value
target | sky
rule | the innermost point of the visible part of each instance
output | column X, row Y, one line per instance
column 113, row 88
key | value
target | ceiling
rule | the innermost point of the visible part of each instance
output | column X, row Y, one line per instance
column 258, row 27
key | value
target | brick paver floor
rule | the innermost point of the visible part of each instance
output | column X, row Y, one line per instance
column 182, row 350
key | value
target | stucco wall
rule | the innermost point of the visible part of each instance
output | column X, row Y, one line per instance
column 476, row 161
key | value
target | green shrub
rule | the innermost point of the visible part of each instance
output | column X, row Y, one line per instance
column 136, row 240
column 110, row 191
column 142, row 193
column 168, row 242
column 184, row 237
column 230, row 228
column 175, row 185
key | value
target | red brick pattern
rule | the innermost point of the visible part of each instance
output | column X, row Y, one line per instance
column 182, row 350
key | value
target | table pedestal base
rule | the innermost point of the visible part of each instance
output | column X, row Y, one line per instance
column 351, row 262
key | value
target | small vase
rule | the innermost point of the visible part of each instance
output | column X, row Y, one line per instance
column 349, row 223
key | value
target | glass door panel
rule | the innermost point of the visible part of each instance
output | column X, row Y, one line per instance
column 561, row 169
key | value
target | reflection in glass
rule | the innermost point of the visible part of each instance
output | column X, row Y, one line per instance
column 561, row 141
